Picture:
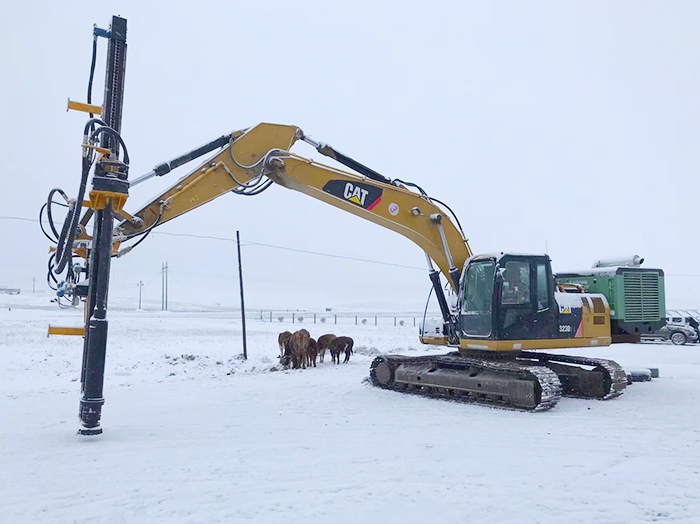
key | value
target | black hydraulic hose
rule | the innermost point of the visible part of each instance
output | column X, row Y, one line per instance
column 50, row 266
column 114, row 134
column 255, row 190
column 451, row 212
column 64, row 249
column 41, row 225
column 148, row 230
column 50, row 201
column 50, row 276
column 420, row 189
column 145, row 235
column 90, row 123
column 92, row 71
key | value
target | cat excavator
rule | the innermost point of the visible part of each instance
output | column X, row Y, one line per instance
column 500, row 311
column 502, row 307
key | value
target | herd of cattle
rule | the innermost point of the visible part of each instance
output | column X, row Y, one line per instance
column 301, row 351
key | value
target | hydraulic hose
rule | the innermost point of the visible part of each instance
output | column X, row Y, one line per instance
column 115, row 135
column 64, row 249
column 92, row 70
column 41, row 225
column 49, row 202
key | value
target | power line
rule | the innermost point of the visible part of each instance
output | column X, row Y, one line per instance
column 336, row 256
column 272, row 246
column 307, row 252
column 21, row 218
column 284, row 248
column 317, row 253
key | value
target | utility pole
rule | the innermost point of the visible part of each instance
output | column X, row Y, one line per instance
column 140, row 285
column 240, row 279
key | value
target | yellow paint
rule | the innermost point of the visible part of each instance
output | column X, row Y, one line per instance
column 125, row 215
column 99, row 200
column 101, row 150
column 435, row 341
column 467, row 344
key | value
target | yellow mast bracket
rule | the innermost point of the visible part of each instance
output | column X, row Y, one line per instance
column 72, row 331
column 85, row 108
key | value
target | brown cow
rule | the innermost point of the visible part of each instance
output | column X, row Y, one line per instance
column 324, row 342
column 299, row 342
column 286, row 357
column 311, row 353
column 341, row 345
column 281, row 339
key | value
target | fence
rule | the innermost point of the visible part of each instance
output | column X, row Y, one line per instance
column 678, row 315
column 398, row 319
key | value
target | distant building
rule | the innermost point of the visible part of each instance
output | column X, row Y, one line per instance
column 9, row 291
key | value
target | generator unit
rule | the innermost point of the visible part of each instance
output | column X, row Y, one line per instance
column 636, row 295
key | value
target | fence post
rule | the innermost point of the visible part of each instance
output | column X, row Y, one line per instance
column 414, row 321
column 314, row 318
column 355, row 319
column 375, row 320
column 394, row 321
column 292, row 318
column 335, row 319
column 270, row 317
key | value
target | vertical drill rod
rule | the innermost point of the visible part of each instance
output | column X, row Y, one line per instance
column 95, row 343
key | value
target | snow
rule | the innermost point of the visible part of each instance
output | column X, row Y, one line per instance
column 192, row 433
column 598, row 271
column 569, row 300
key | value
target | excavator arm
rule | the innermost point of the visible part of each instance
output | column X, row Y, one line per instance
column 259, row 156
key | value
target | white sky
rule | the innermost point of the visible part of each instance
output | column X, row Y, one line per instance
column 571, row 125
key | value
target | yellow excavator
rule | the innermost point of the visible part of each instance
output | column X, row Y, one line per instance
column 502, row 308
column 502, row 304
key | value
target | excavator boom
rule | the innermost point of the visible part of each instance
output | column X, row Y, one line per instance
column 261, row 154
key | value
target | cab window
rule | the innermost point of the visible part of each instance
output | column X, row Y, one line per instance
column 542, row 295
column 516, row 284
column 477, row 298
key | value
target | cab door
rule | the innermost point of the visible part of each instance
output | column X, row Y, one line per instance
column 477, row 300
column 526, row 308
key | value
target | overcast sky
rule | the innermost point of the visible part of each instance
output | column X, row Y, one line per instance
column 570, row 127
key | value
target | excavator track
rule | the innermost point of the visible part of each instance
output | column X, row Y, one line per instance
column 606, row 380
column 507, row 384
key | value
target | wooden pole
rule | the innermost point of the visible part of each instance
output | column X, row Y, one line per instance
column 240, row 278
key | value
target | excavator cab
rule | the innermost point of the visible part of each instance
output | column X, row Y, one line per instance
column 508, row 297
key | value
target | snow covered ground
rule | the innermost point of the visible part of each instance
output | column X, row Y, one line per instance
column 193, row 434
